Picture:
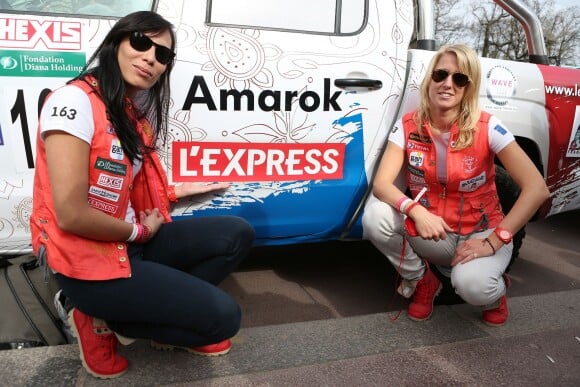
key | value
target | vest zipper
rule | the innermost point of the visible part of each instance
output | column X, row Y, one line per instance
column 443, row 194
column 443, row 197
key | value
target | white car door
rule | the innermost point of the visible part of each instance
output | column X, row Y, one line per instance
column 290, row 101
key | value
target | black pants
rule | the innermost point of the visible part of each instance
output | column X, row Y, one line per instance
column 171, row 296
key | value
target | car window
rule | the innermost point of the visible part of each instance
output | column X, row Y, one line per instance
column 108, row 8
column 333, row 17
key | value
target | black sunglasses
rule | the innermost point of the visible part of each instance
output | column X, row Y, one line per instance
column 141, row 42
column 460, row 79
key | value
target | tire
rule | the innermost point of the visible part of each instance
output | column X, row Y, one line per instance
column 508, row 192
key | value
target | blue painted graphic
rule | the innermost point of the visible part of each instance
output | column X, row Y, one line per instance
column 302, row 211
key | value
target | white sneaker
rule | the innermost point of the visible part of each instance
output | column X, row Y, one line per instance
column 123, row 340
column 61, row 309
column 407, row 287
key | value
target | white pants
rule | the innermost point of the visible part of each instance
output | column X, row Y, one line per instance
column 479, row 282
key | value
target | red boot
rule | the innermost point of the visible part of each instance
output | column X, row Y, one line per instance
column 216, row 349
column 497, row 316
column 97, row 345
column 426, row 290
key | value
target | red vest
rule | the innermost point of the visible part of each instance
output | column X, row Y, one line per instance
column 469, row 201
column 110, row 188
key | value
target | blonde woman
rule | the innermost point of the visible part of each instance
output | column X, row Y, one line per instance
column 446, row 150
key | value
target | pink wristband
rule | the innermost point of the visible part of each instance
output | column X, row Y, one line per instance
column 139, row 233
column 400, row 201
column 144, row 234
column 404, row 204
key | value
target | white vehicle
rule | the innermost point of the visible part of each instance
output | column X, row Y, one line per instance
column 290, row 100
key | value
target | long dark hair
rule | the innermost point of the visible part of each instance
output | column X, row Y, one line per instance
column 153, row 103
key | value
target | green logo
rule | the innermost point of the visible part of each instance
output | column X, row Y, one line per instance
column 111, row 166
column 41, row 63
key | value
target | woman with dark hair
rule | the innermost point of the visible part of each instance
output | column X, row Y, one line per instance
column 101, row 209
column 445, row 150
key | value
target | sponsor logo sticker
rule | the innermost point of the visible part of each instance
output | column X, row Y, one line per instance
column 574, row 142
column 103, row 193
column 501, row 85
column 417, row 146
column 416, row 158
column 111, row 166
column 109, row 181
column 41, row 63
column 469, row 163
column 417, row 172
column 472, row 184
column 116, row 150
column 54, row 34
column 414, row 136
column 416, row 179
column 211, row 161
column 267, row 100
column 416, row 187
column 500, row 129
column 100, row 205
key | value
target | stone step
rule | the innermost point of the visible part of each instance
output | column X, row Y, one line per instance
column 540, row 345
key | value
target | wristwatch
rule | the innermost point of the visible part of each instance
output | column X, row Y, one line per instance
column 504, row 235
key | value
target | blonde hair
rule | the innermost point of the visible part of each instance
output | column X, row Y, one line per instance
column 469, row 111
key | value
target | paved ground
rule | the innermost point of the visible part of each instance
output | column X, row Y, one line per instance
column 312, row 317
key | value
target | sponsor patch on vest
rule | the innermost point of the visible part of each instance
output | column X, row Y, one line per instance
column 414, row 136
column 103, row 193
column 420, row 147
column 109, row 181
column 100, row 205
column 116, row 151
column 416, row 158
column 417, row 187
column 416, row 172
column 469, row 163
column 472, row 184
column 416, row 179
column 111, row 166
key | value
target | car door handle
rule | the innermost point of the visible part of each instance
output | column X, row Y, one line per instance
column 371, row 84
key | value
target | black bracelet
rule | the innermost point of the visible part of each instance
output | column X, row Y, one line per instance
column 490, row 245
